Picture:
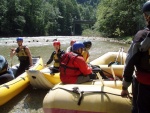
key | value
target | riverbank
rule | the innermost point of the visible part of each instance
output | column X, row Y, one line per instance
column 117, row 40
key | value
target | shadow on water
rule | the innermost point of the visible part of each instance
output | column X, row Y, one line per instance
column 10, row 104
column 28, row 101
column 33, row 102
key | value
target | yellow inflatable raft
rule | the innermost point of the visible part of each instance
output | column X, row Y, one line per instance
column 14, row 87
column 85, row 99
column 116, row 60
column 43, row 78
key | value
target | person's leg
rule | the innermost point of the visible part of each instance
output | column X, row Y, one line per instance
column 54, row 70
column 141, row 98
column 82, row 79
column 6, row 78
column 20, row 70
column 22, row 67
column 135, row 94
column 93, row 76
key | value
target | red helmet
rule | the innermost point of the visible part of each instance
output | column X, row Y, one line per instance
column 72, row 42
column 56, row 43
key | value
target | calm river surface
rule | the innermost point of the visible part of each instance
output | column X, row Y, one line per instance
column 30, row 100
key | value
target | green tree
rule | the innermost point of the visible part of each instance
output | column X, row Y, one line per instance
column 43, row 17
column 3, row 19
column 14, row 19
column 119, row 17
column 34, row 17
column 51, row 14
column 68, row 13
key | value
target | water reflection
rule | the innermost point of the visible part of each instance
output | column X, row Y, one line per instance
column 30, row 100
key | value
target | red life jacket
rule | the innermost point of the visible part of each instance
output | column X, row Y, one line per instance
column 72, row 65
column 143, row 77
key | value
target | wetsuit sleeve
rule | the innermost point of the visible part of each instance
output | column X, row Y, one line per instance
column 60, row 53
column 82, row 65
column 51, row 58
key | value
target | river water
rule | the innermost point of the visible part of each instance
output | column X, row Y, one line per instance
column 30, row 100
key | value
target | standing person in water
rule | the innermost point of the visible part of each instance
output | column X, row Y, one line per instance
column 138, row 60
column 24, row 56
column 56, row 56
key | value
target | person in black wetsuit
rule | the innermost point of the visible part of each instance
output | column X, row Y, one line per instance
column 138, row 61
column 56, row 56
column 24, row 56
column 6, row 73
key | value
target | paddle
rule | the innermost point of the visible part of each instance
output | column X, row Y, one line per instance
column 11, row 62
column 97, row 71
column 122, row 49
column 111, row 68
column 114, row 63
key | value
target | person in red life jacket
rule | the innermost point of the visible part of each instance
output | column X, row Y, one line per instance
column 69, row 49
column 85, row 53
column 6, row 74
column 73, row 68
column 138, row 60
column 24, row 56
column 56, row 56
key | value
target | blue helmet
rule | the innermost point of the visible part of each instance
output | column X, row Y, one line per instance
column 77, row 45
column 19, row 39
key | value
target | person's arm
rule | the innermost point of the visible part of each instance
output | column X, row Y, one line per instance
column 60, row 53
column 129, row 68
column 12, row 52
column 83, row 66
column 27, row 50
column 50, row 59
column 68, row 49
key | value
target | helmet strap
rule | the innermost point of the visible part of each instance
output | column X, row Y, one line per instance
column 147, row 18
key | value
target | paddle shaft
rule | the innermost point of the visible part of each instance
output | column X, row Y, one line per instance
column 122, row 62
column 118, row 54
column 100, row 78
column 11, row 61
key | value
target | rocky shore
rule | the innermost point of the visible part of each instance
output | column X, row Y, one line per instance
column 46, row 40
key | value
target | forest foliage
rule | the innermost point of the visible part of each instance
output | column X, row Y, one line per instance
column 113, row 18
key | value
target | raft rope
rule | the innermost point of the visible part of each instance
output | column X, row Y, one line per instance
column 7, row 86
column 81, row 93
